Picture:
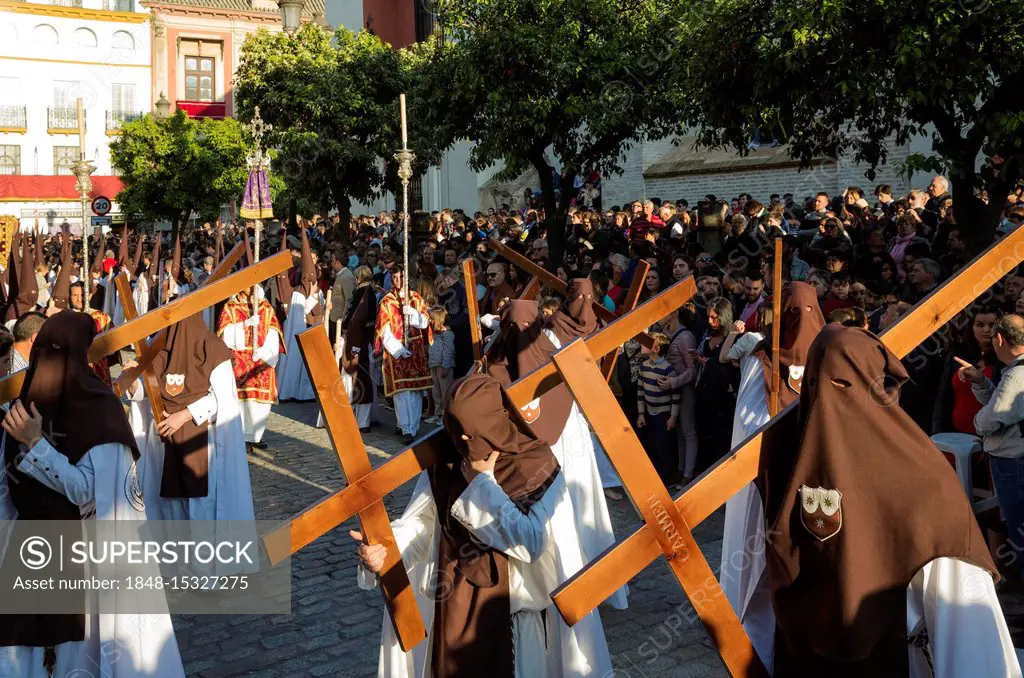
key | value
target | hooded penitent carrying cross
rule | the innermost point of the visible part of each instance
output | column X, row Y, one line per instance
column 156, row 320
column 618, row 565
column 304, row 310
column 873, row 541
column 84, row 467
column 365, row 491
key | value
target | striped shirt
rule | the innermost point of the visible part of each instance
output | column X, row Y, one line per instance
column 651, row 398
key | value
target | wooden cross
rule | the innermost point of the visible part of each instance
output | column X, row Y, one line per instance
column 149, row 380
column 343, row 430
column 773, row 398
column 132, row 331
column 557, row 284
column 600, row 578
column 640, row 480
column 531, row 290
column 628, row 304
column 364, row 491
column 472, row 307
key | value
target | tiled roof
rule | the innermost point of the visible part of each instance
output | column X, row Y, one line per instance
column 312, row 7
column 686, row 159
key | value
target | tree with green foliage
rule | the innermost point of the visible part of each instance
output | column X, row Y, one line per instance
column 581, row 79
column 333, row 100
column 175, row 166
column 845, row 76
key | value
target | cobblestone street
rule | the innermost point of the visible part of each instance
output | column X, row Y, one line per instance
column 334, row 628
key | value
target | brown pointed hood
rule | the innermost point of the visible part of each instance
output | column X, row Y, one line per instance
column 97, row 260
column 218, row 245
column 308, row 277
column 154, row 261
column 62, row 285
column 122, row 252
column 137, row 259
column 176, row 259
column 25, row 297
column 37, row 254
column 13, row 274
column 282, row 280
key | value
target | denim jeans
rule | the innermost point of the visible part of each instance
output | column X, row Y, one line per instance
column 1008, row 479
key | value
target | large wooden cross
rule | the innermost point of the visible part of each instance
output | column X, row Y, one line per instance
column 559, row 286
column 366, row 490
column 472, row 307
column 343, row 430
column 132, row 331
column 667, row 527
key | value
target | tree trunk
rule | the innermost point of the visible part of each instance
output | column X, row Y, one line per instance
column 344, row 204
column 556, row 229
column 978, row 220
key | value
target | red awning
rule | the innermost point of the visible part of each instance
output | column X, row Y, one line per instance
column 38, row 188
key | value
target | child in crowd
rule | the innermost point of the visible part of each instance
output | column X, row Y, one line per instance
column 839, row 293
column 658, row 410
column 441, row 359
column 548, row 307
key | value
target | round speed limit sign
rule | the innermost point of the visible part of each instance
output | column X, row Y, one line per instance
column 101, row 206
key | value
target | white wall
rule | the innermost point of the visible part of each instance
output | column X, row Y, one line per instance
column 35, row 71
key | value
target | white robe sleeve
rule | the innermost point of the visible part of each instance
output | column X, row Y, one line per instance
column 495, row 520
column 391, row 344
column 415, row 318
column 270, row 351
column 205, row 409
column 967, row 631
column 311, row 302
column 77, row 482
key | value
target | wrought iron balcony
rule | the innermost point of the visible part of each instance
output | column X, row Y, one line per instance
column 62, row 120
column 13, row 119
column 115, row 119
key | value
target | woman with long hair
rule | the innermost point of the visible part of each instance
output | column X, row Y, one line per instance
column 956, row 405
column 717, row 383
column 652, row 285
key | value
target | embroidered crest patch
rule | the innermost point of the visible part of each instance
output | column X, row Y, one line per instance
column 531, row 411
column 821, row 511
column 133, row 488
column 175, row 384
column 795, row 377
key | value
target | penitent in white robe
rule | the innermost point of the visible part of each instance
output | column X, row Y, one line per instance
column 115, row 645
column 543, row 551
column 292, row 379
column 743, row 575
column 254, row 414
column 230, row 492
column 141, row 294
column 577, row 456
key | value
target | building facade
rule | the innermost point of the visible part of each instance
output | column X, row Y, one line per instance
column 197, row 46
column 51, row 54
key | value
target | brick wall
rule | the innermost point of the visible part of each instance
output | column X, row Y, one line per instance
column 831, row 177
